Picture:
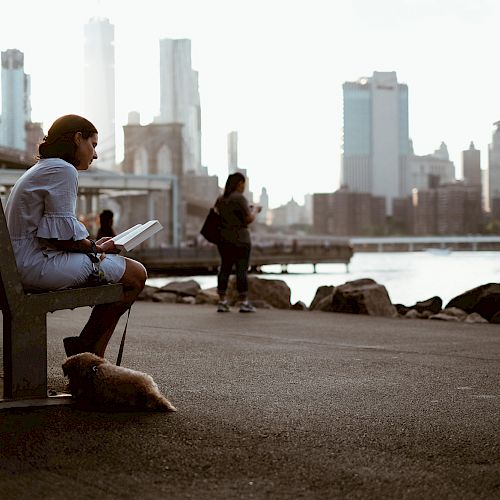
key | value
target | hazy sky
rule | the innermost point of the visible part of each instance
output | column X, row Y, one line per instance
column 273, row 70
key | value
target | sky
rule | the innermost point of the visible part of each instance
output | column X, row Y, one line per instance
column 273, row 70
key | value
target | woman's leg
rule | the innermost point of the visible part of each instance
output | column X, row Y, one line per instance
column 242, row 263
column 226, row 256
column 104, row 317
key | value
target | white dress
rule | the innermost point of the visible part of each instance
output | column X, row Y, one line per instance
column 41, row 206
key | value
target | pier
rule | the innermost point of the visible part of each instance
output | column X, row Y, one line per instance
column 205, row 259
column 419, row 243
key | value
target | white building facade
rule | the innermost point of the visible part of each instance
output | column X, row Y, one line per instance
column 16, row 105
column 428, row 171
column 99, row 87
column 180, row 98
column 376, row 136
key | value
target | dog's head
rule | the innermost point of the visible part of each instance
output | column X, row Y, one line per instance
column 82, row 365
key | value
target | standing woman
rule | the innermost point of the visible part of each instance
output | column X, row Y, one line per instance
column 50, row 244
column 235, row 245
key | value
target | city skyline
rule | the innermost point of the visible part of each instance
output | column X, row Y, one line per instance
column 274, row 71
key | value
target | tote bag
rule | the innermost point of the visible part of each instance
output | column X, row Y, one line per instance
column 211, row 227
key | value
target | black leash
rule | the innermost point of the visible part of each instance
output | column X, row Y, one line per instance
column 122, row 343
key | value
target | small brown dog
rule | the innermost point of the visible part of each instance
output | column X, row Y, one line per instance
column 95, row 382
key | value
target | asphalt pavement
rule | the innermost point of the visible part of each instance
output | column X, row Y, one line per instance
column 277, row 404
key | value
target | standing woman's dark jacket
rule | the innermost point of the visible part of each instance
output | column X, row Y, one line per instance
column 234, row 210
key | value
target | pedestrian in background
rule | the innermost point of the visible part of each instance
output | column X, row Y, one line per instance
column 235, row 243
column 106, row 224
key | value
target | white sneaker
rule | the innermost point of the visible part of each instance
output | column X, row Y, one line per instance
column 246, row 307
column 223, row 307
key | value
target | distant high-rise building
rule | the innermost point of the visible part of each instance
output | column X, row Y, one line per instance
column 494, row 167
column 471, row 165
column 344, row 213
column 263, row 215
column 34, row 136
column 287, row 215
column 448, row 209
column 376, row 137
column 180, row 97
column 427, row 171
column 485, row 190
column 308, row 208
column 232, row 152
column 16, row 106
column 99, row 86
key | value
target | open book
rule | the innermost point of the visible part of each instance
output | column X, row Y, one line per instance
column 137, row 234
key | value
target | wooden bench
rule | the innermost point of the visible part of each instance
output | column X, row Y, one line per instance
column 25, row 324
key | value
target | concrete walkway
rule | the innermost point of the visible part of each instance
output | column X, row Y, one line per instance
column 278, row 404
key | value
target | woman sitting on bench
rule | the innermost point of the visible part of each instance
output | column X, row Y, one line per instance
column 52, row 248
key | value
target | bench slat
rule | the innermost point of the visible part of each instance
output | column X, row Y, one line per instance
column 74, row 297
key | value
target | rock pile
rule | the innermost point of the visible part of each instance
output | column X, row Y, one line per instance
column 362, row 296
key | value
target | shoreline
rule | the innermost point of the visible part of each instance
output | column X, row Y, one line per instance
column 409, row 277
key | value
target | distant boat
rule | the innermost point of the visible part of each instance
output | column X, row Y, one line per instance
column 439, row 251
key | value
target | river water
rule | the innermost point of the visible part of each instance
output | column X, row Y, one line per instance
column 408, row 276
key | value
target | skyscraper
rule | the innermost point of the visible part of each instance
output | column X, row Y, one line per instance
column 471, row 164
column 494, row 171
column 99, row 86
column 232, row 152
column 16, row 106
column 180, row 98
column 376, row 140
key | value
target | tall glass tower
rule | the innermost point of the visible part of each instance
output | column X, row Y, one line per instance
column 232, row 152
column 99, row 87
column 16, row 105
column 376, row 137
column 180, row 97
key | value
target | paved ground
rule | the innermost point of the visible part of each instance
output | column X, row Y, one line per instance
column 279, row 404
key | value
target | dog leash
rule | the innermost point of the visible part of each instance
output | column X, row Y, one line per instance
column 122, row 343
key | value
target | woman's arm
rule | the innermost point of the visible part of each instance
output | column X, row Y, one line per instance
column 85, row 246
column 250, row 216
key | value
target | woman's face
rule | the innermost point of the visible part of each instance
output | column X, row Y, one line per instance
column 85, row 150
column 240, row 187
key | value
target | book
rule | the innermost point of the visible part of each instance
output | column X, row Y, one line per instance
column 136, row 234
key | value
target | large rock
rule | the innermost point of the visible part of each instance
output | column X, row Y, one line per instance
column 321, row 293
column 450, row 314
column 364, row 296
column 299, row 306
column 495, row 318
column 325, row 304
column 425, row 308
column 475, row 318
column 433, row 304
column 412, row 314
column 484, row 300
column 165, row 297
column 402, row 309
column 275, row 292
column 189, row 288
column 208, row 296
